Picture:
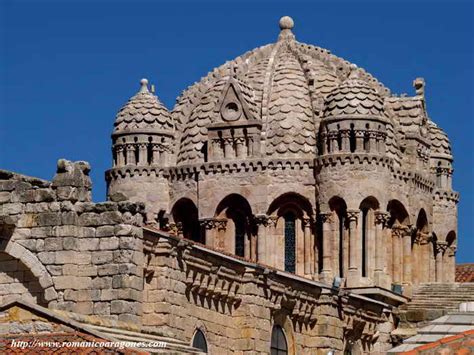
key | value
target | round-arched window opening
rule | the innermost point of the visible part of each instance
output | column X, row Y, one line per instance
column 199, row 341
column 231, row 111
column 279, row 345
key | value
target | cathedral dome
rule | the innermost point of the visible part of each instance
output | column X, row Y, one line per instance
column 286, row 83
column 354, row 98
column 143, row 113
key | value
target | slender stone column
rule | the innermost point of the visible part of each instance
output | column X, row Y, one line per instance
column 359, row 135
column 450, row 264
column 345, row 134
column 440, row 250
column 208, row 224
column 262, row 223
column 239, row 147
column 130, row 151
column 372, row 141
column 220, row 226
column 355, row 271
column 271, row 240
column 327, row 272
column 307, row 245
column 120, row 156
column 142, row 154
column 333, row 146
column 229, row 149
column 155, row 153
column 396, row 253
column 407, row 256
column 381, row 218
column 423, row 256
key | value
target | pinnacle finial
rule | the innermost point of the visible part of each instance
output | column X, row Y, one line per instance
column 144, row 85
column 286, row 23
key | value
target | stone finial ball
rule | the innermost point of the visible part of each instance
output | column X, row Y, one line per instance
column 144, row 82
column 286, row 23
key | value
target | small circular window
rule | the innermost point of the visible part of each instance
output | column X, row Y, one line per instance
column 231, row 111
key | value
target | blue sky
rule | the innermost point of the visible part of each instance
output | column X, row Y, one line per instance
column 68, row 66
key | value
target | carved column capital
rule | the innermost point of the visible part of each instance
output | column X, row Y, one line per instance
column 207, row 223
column 353, row 215
column 451, row 250
column 381, row 217
column 441, row 247
column 272, row 221
column 422, row 238
column 261, row 219
column 220, row 224
column 326, row 217
column 306, row 221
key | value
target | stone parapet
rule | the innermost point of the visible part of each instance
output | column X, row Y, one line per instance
column 237, row 302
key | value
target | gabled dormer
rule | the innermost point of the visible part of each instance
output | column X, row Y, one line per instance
column 235, row 131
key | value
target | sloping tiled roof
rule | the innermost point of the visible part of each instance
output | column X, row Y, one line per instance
column 439, row 140
column 438, row 331
column 462, row 344
column 354, row 97
column 465, row 272
column 143, row 112
column 286, row 78
column 290, row 110
column 408, row 111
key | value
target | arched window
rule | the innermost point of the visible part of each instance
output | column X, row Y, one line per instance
column 239, row 221
column 279, row 345
column 290, row 242
column 185, row 212
column 365, row 246
column 199, row 341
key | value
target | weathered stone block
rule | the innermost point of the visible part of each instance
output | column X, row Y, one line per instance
column 101, row 308
column 101, row 257
column 66, row 256
column 119, row 307
column 90, row 219
column 105, row 231
column 52, row 244
column 112, row 217
column 83, row 308
column 108, row 269
column 102, row 282
column 109, row 243
column 49, row 219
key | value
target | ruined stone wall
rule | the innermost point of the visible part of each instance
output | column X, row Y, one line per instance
column 236, row 303
column 86, row 257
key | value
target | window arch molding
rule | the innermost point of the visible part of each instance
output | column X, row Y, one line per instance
column 237, row 212
column 199, row 340
column 281, row 320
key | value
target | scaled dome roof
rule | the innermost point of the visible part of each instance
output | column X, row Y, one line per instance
column 286, row 84
column 354, row 97
column 143, row 113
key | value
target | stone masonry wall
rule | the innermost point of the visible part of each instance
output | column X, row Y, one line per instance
column 17, row 281
column 236, row 304
column 86, row 257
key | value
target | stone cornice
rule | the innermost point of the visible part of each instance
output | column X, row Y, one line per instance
column 281, row 284
column 222, row 167
column 332, row 159
column 447, row 195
